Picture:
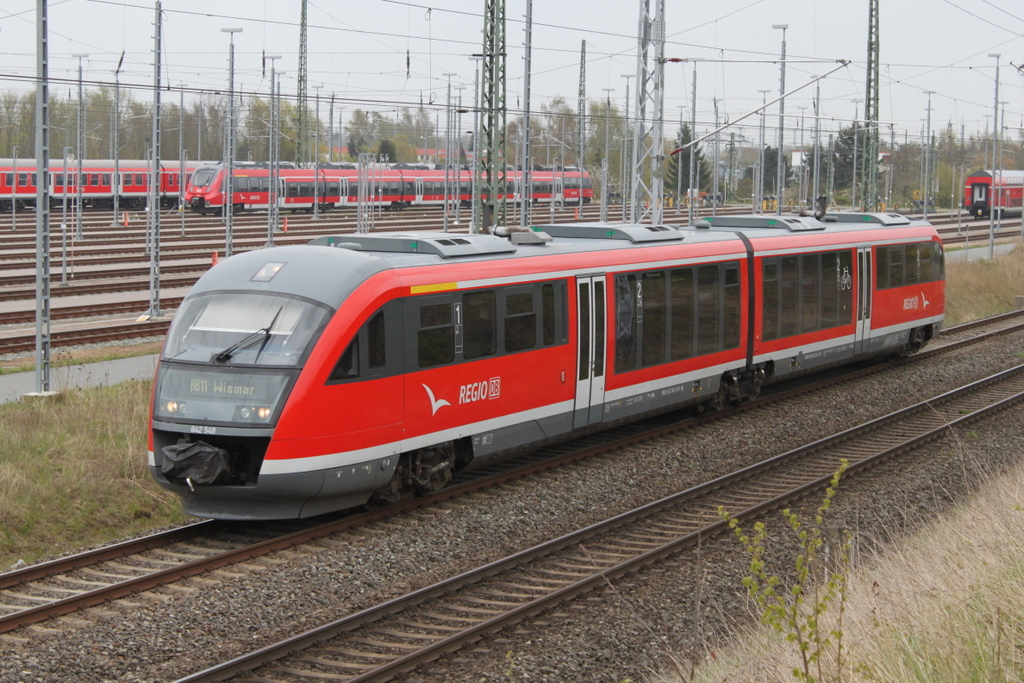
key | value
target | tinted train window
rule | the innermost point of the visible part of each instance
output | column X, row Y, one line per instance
column 520, row 322
column 348, row 364
column 830, row 283
column 707, row 309
column 480, row 338
column 548, row 313
column 9, row 179
column 770, row 294
column 376, row 344
column 627, row 304
column 436, row 336
column 789, row 296
column 681, row 317
column 655, row 308
column 823, row 299
column 896, row 267
column 731, row 308
column 809, row 286
column 912, row 273
column 106, row 178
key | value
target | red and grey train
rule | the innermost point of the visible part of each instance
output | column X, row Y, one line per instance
column 306, row 379
column 97, row 183
column 1001, row 190
column 399, row 186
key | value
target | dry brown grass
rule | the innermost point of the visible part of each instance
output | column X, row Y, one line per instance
column 978, row 289
column 73, row 472
column 945, row 606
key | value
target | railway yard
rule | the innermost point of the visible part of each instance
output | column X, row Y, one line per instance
column 598, row 560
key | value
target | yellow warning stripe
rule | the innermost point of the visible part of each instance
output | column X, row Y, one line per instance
column 427, row 289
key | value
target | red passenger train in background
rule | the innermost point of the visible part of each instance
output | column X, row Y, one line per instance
column 18, row 183
column 1003, row 190
column 396, row 186
column 304, row 379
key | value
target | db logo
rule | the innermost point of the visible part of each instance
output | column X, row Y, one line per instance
column 478, row 391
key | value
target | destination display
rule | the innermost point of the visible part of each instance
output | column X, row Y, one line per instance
column 185, row 393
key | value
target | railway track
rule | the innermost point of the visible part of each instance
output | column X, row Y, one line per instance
column 40, row 592
column 395, row 637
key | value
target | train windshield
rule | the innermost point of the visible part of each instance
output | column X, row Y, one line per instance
column 244, row 329
column 204, row 176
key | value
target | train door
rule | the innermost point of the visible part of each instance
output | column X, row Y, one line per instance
column 590, row 350
column 864, row 288
column 558, row 196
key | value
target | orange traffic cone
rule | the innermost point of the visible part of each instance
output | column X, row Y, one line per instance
column 285, row 228
column 124, row 219
column 577, row 212
column 215, row 259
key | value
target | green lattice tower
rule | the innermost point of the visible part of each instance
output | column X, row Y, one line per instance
column 302, row 144
column 492, row 181
column 869, row 172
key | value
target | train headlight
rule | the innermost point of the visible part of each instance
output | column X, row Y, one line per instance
column 246, row 413
column 264, row 413
column 172, row 406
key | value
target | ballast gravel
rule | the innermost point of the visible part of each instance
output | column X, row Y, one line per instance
column 687, row 608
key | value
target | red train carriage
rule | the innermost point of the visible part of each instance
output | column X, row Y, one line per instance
column 299, row 380
column 393, row 187
column 1003, row 190
column 18, row 183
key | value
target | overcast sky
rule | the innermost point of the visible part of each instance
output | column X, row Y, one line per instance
column 381, row 54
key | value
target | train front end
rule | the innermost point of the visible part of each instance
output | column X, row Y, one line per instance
column 203, row 193
column 235, row 350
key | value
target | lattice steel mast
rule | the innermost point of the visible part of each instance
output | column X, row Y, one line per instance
column 492, row 182
column 582, row 111
column 302, row 144
column 648, row 137
column 870, row 159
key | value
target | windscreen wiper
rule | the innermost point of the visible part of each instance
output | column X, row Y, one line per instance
column 260, row 335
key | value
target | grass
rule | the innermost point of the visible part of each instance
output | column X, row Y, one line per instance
column 978, row 289
column 93, row 355
column 945, row 605
column 73, row 472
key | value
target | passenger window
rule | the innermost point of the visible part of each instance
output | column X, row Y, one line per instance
column 436, row 336
column 938, row 262
column 882, row 268
column 480, row 338
column 708, row 313
column 376, row 347
column 912, row 266
column 896, row 267
column 770, row 307
column 520, row 322
column 809, row 293
column 924, row 254
column 655, row 323
column 626, row 310
column 599, row 328
column 348, row 364
column 829, row 289
column 731, row 308
column 548, row 313
column 789, row 297
column 682, row 313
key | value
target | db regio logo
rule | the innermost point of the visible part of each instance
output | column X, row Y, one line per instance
column 479, row 391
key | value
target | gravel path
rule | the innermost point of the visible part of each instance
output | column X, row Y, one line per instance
column 166, row 634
